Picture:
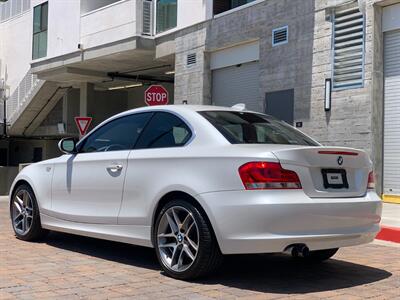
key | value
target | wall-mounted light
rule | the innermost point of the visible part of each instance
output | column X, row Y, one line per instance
column 328, row 94
column 170, row 72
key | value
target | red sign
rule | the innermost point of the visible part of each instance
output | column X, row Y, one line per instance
column 156, row 95
column 83, row 124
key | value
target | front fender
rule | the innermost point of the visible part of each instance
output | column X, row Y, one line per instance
column 39, row 177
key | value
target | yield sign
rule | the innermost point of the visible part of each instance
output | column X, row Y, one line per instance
column 83, row 124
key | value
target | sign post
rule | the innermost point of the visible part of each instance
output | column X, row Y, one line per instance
column 156, row 95
column 83, row 124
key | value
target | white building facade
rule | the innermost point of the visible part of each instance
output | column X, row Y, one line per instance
column 329, row 67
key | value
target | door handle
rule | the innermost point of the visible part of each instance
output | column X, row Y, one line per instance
column 115, row 168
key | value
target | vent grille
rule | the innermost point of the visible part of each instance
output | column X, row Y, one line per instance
column 280, row 36
column 191, row 59
column 147, row 27
column 348, row 54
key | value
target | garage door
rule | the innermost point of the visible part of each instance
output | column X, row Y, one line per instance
column 237, row 84
column 392, row 113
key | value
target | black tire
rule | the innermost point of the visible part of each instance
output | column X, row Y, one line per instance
column 209, row 256
column 320, row 255
column 35, row 232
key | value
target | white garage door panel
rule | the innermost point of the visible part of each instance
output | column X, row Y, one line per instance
column 232, row 85
column 391, row 166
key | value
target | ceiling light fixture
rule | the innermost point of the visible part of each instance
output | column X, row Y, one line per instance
column 170, row 72
column 138, row 84
column 134, row 85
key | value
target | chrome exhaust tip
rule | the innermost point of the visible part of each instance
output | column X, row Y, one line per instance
column 297, row 250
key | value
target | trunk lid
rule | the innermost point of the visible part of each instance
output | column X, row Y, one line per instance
column 328, row 171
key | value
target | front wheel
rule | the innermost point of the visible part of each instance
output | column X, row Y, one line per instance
column 185, row 245
column 25, row 217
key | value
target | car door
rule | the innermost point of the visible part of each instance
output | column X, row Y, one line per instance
column 161, row 141
column 87, row 186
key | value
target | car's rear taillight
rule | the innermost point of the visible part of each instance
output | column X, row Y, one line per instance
column 371, row 180
column 268, row 175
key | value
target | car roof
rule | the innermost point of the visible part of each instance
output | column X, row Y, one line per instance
column 180, row 108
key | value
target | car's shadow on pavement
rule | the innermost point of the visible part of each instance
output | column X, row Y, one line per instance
column 268, row 273
column 278, row 273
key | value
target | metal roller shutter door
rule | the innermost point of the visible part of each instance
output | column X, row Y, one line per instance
column 237, row 84
column 391, row 146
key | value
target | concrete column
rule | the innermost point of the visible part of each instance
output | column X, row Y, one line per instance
column 86, row 97
column 192, row 83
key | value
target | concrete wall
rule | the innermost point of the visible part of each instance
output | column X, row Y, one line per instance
column 7, row 175
column 284, row 67
column 349, row 121
column 192, row 83
column 303, row 64
column 21, row 150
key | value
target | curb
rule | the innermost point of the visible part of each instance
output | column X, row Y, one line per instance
column 391, row 198
column 391, row 234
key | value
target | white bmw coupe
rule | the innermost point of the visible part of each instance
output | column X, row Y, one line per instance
column 199, row 182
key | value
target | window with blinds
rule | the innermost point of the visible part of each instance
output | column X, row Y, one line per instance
column 348, row 48
column 147, row 20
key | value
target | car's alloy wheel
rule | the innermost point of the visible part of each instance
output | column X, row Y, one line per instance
column 24, row 213
column 178, row 238
column 185, row 244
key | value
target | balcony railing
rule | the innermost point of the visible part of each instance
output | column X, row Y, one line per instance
column 26, row 89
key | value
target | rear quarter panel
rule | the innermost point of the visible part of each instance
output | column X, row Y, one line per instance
column 152, row 173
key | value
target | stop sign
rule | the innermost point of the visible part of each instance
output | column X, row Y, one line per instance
column 156, row 95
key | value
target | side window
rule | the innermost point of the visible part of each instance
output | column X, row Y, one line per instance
column 117, row 135
column 164, row 130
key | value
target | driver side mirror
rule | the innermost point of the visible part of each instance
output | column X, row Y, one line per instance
column 67, row 145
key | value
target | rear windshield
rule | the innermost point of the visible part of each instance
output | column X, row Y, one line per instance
column 253, row 128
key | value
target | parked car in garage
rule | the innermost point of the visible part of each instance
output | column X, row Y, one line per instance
column 200, row 182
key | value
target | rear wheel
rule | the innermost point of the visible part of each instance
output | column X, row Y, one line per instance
column 320, row 255
column 185, row 245
column 25, row 217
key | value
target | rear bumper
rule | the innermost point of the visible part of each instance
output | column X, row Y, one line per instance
column 269, row 221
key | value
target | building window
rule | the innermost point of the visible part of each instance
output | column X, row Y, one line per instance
column 221, row 6
column 236, row 3
column 166, row 14
column 348, row 48
column 40, row 17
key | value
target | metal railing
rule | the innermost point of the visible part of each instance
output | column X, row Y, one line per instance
column 26, row 88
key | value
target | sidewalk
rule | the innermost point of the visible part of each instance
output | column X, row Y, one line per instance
column 391, row 215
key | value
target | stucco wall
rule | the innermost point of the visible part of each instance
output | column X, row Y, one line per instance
column 63, row 26
column 15, row 49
